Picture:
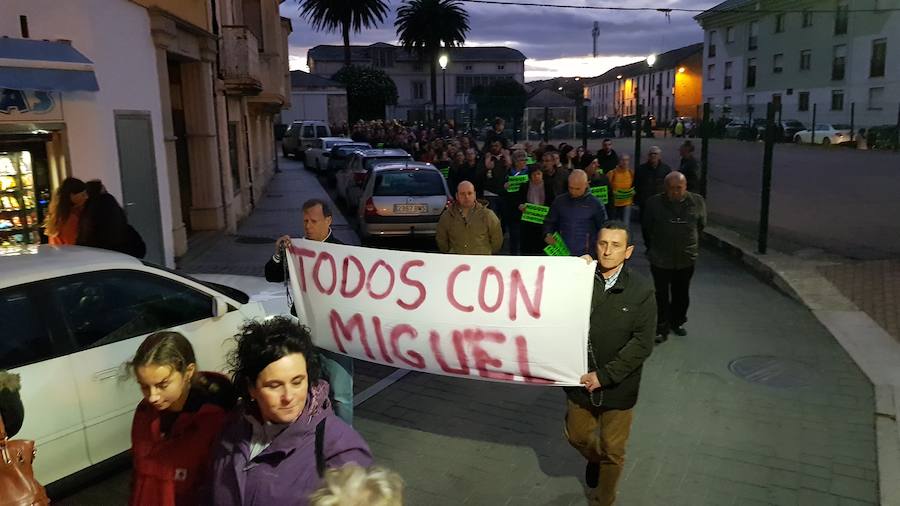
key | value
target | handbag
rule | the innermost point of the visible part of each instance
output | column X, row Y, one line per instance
column 17, row 484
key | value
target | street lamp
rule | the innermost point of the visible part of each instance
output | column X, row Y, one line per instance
column 651, row 59
column 681, row 70
column 442, row 61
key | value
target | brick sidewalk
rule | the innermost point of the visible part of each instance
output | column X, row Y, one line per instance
column 874, row 287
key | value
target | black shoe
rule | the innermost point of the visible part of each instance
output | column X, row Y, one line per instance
column 679, row 331
column 592, row 474
column 661, row 338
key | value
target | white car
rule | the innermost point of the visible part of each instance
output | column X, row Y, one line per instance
column 73, row 316
column 316, row 157
column 825, row 134
column 402, row 199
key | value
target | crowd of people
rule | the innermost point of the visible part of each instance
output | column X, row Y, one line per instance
column 279, row 429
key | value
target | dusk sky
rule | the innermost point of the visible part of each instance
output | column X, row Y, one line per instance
column 557, row 42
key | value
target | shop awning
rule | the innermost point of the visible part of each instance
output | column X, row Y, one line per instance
column 45, row 65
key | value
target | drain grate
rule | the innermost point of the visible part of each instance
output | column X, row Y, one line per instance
column 253, row 239
column 773, row 371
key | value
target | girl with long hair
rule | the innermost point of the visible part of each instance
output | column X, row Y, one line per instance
column 177, row 423
column 66, row 205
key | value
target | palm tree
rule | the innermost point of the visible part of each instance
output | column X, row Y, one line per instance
column 422, row 25
column 332, row 15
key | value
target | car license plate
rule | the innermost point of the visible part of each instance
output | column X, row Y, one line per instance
column 410, row 208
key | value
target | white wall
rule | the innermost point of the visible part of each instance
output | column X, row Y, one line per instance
column 115, row 35
column 308, row 105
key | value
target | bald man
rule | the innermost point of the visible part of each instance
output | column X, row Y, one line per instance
column 576, row 215
column 467, row 227
column 673, row 220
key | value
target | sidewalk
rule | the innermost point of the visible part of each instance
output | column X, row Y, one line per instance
column 856, row 301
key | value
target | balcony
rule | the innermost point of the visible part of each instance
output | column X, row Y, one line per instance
column 240, row 61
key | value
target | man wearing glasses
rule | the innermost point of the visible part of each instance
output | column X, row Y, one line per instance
column 673, row 221
column 620, row 338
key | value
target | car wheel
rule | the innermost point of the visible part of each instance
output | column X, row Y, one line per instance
column 798, row 139
column 285, row 152
column 826, row 141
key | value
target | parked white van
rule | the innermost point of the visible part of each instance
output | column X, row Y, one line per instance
column 300, row 134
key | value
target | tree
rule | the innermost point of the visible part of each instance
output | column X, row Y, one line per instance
column 344, row 15
column 504, row 98
column 368, row 91
column 422, row 25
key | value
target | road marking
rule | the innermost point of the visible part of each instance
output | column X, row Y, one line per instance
column 383, row 383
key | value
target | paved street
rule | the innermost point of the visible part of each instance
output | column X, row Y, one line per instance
column 701, row 435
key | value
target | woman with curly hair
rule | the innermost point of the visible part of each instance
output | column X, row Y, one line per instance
column 66, row 205
column 284, row 434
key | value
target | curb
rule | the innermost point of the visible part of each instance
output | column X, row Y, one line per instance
column 875, row 352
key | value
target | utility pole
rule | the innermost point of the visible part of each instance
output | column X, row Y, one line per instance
column 595, row 33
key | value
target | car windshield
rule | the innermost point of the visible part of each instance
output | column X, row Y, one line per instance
column 795, row 124
column 346, row 149
column 408, row 183
column 841, row 126
column 371, row 162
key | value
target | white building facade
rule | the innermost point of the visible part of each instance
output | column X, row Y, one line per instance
column 840, row 58
column 468, row 67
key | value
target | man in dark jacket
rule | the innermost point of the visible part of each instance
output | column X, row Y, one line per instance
column 576, row 215
column 689, row 166
column 554, row 175
column 496, row 134
column 620, row 338
column 674, row 221
column 648, row 181
column 607, row 156
column 317, row 218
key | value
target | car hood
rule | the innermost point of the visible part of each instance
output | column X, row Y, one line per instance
column 272, row 296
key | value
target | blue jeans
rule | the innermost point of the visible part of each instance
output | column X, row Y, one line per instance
column 338, row 370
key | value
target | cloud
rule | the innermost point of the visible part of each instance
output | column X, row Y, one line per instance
column 553, row 40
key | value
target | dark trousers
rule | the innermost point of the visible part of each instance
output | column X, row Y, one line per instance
column 532, row 239
column 672, row 296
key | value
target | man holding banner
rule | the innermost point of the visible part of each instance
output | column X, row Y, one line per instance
column 620, row 338
column 576, row 216
column 467, row 227
column 317, row 218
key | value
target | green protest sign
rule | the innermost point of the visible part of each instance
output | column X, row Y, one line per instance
column 559, row 249
column 515, row 182
column 601, row 192
column 537, row 209
column 533, row 218
column 445, row 171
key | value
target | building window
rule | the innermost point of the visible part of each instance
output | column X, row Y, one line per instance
column 838, row 62
column 805, row 59
column 751, row 72
column 753, row 39
column 807, row 18
column 382, row 58
column 876, row 99
column 711, row 52
column 779, row 23
column 468, row 67
column 501, row 67
column 727, row 84
column 729, row 34
column 837, row 100
column 803, row 101
column 778, row 63
column 841, row 17
column 418, row 90
column 879, row 55
column 711, row 72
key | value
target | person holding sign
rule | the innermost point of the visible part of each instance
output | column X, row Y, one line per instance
column 620, row 339
column 576, row 215
column 509, row 217
column 534, row 198
column 621, row 183
column 467, row 227
column 599, row 183
column 317, row 218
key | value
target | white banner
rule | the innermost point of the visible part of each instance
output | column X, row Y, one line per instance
column 499, row 318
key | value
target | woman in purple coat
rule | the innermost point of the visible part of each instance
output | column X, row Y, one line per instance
column 285, row 434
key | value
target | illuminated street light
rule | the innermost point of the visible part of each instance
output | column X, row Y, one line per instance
column 681, row 70
column 619, row 76
column 442, row 61
column 651, row 60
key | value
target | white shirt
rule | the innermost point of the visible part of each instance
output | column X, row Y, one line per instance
column 611, row 281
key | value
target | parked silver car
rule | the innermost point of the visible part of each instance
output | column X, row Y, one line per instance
column 349, row 181
column 402, row 199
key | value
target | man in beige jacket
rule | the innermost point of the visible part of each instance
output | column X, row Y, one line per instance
column 467, row 227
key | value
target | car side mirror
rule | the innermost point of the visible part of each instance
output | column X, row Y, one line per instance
column 220, row 307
